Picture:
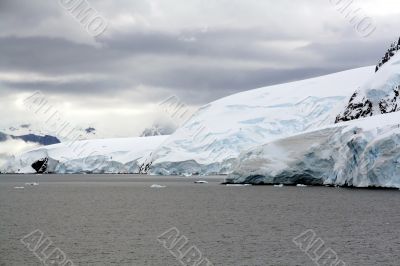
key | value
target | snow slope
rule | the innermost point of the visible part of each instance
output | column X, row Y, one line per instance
column 89, row 156
column 362, row 153
column 219, row 131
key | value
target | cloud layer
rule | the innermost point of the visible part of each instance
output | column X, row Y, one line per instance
column 197, row 50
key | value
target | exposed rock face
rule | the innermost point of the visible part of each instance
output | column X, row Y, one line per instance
column 90, row 130
column 144, row 168
column 357, row 107
column 361, row 106
column 394, row 48
column 40, row 166
column 390, row 104
column 45, row 165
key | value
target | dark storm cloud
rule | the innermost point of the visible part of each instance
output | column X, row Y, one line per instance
column 164, row 60
column 350, row 54
column 56, row 55
column 208, row 62
column 75, row 87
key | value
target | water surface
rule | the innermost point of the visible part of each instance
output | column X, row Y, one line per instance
column 115, row 220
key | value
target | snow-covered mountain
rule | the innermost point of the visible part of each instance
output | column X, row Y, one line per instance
column 26, row 129
column 89, row 156
column 362, row 152
column 211, row 140
column 41, row 140
column 215, row 136
column 379, row 94
column 158, row 130
column 338, row 129
column 25, row 133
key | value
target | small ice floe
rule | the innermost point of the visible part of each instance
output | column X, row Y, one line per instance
column 157, row 186
column 281, row 185
column 19, row 187
column 300, row 185
column 200, row 182
column 238, row 185
column 32, row 184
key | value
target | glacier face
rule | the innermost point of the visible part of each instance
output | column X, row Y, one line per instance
column 124, row 155
column 361, row 153
column 210, row 141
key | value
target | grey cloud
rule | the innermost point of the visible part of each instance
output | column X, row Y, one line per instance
column 162, row 60
column 229, row 47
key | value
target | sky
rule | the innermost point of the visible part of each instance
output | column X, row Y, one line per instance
column 197, row 51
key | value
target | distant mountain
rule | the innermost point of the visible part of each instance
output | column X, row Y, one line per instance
column 158, row 130
column 25, row 130
column 3, row 137
column 90, row 130
column 42, row 140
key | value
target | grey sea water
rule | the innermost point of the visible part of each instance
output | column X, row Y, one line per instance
column 116, row 220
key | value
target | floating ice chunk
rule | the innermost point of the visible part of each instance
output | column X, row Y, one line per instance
column 19, row 187
column 281, row 185
column 238, row 185
column 32, row 184
column 300, row 185
column 157, row 186
column 201, row 182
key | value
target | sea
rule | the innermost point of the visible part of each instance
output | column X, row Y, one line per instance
column 153, row 220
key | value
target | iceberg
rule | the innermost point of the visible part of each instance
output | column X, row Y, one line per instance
column 32, row 184
column 200, row 182
column 157, row 186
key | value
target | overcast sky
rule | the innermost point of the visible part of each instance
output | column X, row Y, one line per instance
column 195, row 49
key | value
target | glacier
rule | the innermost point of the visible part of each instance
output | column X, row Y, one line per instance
column 210, row 141
column 362, row 149
column 123, row 155
column 359, row 153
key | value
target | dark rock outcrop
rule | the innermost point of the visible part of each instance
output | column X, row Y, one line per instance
column 356, row 109
column 394, row 48
column 40, row 165
column 360, row 106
